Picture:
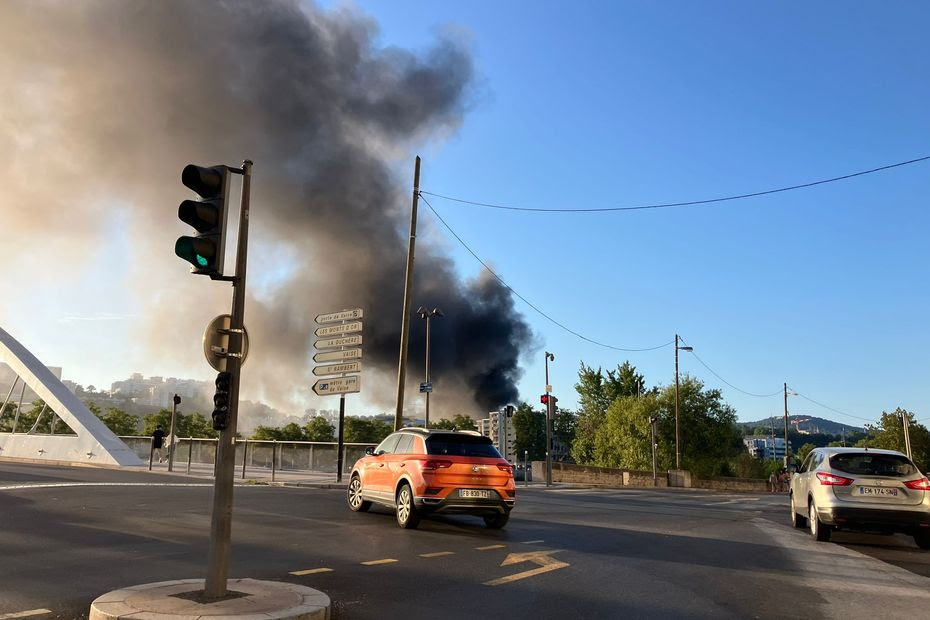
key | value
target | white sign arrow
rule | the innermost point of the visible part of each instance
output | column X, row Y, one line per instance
column 337, row 385
column 337, row 369
column 342, row 341
column 541, row 558
column 335, row 330
column 335, row 317
column 338, row 356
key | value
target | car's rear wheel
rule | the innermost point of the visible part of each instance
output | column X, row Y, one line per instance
column 407, row 516
column 797, row 520
column 354, row 496
column 819, row 531
column 922, row 539
column 496, row 522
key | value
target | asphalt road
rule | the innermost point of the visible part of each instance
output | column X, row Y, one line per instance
column 69, row 535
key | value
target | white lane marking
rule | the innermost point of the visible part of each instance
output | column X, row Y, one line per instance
column 436, row 554
column 59, row 485
column 489, row 547
column 532, row 542
column 25, row 614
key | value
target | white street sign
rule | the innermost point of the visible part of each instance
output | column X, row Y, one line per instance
column 337, row 385
column 335, row 330
column 335, row 317
column 338, row 356
column 548, row 389
column 342, row 341
column 338, row 369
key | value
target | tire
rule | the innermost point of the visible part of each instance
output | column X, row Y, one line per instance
column 797, row 520
column 922, row 539
column 819, row 531
column 407, row 516
column 496, row 522
column 354, row 496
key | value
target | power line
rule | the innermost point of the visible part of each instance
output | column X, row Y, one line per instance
column 713, row 372
column 872, row 420
column 689, row 203
column 528, row 302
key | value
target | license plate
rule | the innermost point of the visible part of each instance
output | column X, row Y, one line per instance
column 477, row 493
column 877, row 491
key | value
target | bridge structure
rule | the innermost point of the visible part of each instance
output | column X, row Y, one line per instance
column 90, row 441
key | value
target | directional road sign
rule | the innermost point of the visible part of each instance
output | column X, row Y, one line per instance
column 335, row 317
column 426, row 387
column 337, row 385
column 338, row 356
column 336, row 330
column 342, row 341
column 337, row 369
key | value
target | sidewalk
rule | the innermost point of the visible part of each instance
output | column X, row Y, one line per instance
column 257, row 475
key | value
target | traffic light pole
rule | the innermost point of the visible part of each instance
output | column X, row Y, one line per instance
column 221, row 524
column 174, row 429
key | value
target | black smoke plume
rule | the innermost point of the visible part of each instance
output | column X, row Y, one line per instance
column 105, row 101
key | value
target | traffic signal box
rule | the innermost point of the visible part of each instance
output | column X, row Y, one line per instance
column 206, row 250
column 221, row 401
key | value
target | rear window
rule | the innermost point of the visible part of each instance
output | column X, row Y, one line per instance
column 461, row 445
column 865, row 464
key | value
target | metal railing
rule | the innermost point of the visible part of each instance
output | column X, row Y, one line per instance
column 255, row 456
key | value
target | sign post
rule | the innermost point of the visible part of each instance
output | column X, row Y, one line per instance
column 343, row 330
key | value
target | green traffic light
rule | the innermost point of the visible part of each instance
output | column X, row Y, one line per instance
column 202, row 261
column 198, row 251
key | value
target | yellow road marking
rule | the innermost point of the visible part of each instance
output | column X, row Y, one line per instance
column 376, row 562
column 311, row 571
column 542, row 558
column 436, row 554
column 24, row 614
column 490, row 547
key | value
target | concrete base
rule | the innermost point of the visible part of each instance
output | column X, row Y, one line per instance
column 262, row 599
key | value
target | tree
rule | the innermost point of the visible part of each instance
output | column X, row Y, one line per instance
column 193, row 425
column 596, row 391
column 624, row 440
column 530, row 432
column 888, row 434
column 120, row 422
column 458, row 422
column 318, row 429
column 365, row 430
column 803, row 451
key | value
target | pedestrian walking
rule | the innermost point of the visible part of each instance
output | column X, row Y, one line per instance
column 158, row 442
column 773, row 481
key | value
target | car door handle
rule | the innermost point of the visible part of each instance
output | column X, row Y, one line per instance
column 402, row 464
column 381, row 465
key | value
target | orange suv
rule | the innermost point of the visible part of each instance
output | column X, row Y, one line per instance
column 419, row 471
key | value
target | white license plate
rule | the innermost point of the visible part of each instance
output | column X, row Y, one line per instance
column 479, row 493
column 877, row 491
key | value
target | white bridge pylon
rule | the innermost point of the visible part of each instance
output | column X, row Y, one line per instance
column 92, row 444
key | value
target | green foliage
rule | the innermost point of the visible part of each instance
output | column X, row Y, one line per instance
column 624, row 439
column 317, row 429
column 459, row 422
column 365, row 430
column 26, row 423
column 193, row 425
column 530, row 432
column 118, row 421
column 888, row 434
column 596, row 391
column 804, row 450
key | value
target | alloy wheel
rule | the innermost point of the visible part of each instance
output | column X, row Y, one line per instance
column 355, row 493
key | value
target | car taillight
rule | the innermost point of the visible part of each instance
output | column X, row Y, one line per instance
column 506, row 468
column 832, row 479
column 921, row 484
column 433, row 464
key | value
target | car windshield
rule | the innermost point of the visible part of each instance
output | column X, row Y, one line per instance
column 461, row 445
column 866, row 464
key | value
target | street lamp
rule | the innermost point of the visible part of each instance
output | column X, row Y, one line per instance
column 428, row 314
column 677, row 427
column 549, row 405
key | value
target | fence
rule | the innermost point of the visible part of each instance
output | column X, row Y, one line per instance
column 260, row 456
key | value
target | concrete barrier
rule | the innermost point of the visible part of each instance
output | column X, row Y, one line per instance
column 617, row 478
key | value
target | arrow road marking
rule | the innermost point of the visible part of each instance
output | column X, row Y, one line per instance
column 542, row 558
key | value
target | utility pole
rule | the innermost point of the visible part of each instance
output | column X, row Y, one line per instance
column 787, row 445
column 218, row 558
column 549, row 414
column 423, row 313
column 906, row 426
column 408, row 286
column 174, row 426
column 677, row 427
column 655, row 472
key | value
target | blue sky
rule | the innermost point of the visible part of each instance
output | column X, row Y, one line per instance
column 598, row 104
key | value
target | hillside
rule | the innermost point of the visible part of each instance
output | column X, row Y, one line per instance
column 808, row 424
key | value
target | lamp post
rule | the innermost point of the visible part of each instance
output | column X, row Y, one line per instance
column 677, row 425
column 428, row 314
column 549, row 405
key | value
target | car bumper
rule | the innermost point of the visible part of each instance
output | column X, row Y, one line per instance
column 875, row 519
column 464, row 505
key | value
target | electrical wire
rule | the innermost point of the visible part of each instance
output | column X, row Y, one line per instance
column 807, row 398
column 713, row 372
column 689, row 203
column 528, row 302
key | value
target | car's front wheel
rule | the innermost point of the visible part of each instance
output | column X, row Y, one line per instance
column 407, row 516
column 496, row 522
column 797, row 520
column 354, row 496
column 819, row 531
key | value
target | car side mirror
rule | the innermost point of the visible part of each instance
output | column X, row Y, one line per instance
column 369, row 450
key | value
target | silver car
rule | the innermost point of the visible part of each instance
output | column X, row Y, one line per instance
column 860, row 489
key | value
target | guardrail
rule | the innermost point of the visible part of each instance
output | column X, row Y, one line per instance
column 259, row 456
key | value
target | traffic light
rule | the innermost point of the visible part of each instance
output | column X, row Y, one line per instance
column 221, row 401
column 208, row 217
column 544, row 399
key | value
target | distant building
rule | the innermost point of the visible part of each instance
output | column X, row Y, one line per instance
column 765, row 447
column 499, row 427
column 158, row 391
